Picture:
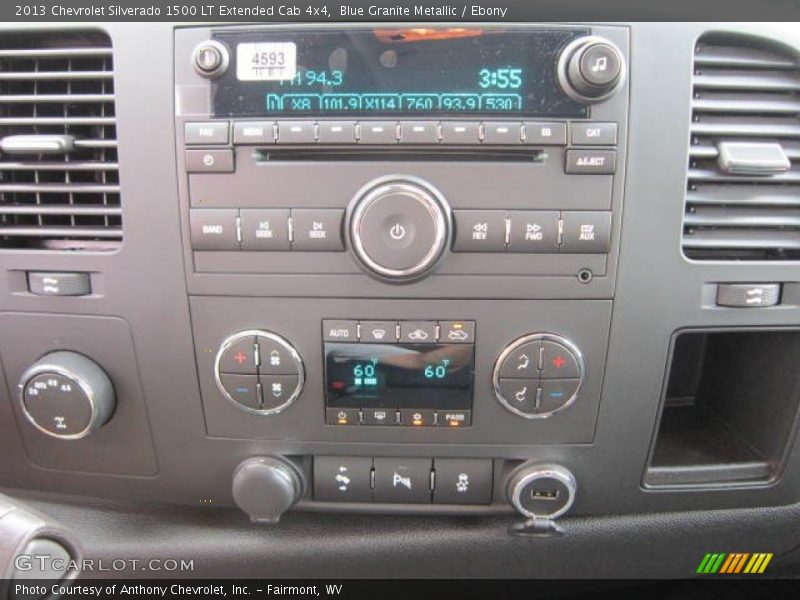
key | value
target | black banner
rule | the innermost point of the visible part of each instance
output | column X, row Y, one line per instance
column 353, row 11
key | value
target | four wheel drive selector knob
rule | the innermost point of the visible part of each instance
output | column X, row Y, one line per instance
column 398, row 228
column 590, row 69
column 66, row 395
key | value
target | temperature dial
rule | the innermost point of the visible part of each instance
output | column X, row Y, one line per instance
column 66, row 395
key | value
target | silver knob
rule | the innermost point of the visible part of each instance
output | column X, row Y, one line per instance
column 399, row 228
column 542, row 491
column 590, row 69
column 266, row 487
column 210, row 59
column 66, row 395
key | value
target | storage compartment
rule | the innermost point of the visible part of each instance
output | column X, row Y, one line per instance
column 729, row 408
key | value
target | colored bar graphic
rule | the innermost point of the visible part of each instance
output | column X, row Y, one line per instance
column 734, row 563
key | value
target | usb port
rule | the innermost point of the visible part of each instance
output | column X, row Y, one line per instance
column 545, row 494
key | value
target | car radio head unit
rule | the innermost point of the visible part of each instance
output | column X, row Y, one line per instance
column 398, row 72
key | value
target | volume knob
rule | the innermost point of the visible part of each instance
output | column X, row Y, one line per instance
column 591, row 69
column 66, row 395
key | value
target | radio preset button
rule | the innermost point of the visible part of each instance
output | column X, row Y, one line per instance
column 419, row 132
column 418, row 332
column 339, row 331
column 265, row 229
column 533, row 231
column 586, row 232
column 545, row 134
column 457, row 332
column 379, row 332
column 297, row 132
column 377, row 132
column 317, row 230
column 558, row 362
column 479, row 231
column 206, row 132
column 593, row 134
column 502, row 133
column 254, row 132
column 403, row 480
column 219, row 160
column 243, row 389
column 213, row 228
column 461, row 132
column 239, row 357
column 462, row 481
column 336, row 132
column 342, row 478
column 342, row 416
column 591, row 162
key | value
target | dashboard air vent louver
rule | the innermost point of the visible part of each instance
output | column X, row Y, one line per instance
column 59, row 182
column 743, row 192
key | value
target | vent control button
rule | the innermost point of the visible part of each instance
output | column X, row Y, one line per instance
column 59, row 284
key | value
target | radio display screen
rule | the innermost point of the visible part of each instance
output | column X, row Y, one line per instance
column 437, row 376
column 487, row 72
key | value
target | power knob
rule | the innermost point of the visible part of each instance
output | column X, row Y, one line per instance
column 590, row 69
column 210, row 59
column 398, row 228
column 266, row 487
column 66, row 395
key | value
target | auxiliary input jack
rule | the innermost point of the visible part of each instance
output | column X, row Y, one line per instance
column 585, row 275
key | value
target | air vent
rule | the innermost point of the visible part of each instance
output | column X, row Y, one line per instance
column 59, row 183
column 743, row 192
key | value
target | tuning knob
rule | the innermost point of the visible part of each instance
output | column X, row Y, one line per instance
column 590, row 69
column 266, row 487
column 66, row 395
column 399, row 228
column 542, row 491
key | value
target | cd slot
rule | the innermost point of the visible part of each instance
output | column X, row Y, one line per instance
column 426, row 154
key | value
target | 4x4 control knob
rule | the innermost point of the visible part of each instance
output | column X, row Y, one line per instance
column 590, row 69
column 399, row 228
column 66, row 395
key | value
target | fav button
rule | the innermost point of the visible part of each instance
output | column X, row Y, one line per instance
column 403, row 480
column 206, row 132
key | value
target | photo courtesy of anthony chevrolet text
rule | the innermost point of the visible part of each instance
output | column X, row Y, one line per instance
column 354, row 299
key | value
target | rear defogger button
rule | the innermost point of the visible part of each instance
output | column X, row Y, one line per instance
column 399, row 229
